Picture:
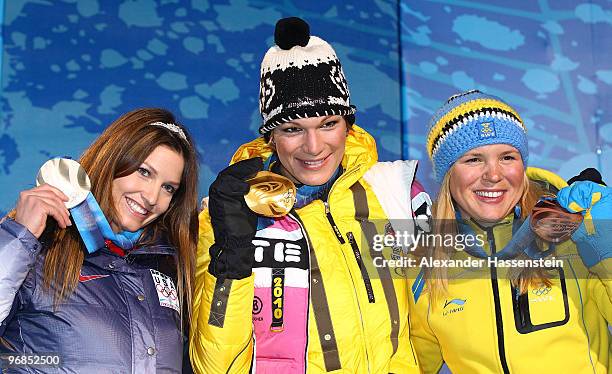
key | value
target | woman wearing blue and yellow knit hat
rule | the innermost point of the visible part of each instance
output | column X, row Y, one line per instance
column 522, row 305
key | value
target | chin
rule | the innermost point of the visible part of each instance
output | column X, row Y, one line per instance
column 493, row 217
column 315, row 179
column 130, row 226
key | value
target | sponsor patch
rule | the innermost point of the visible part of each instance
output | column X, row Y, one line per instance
column 453, row 306
column 166, row 292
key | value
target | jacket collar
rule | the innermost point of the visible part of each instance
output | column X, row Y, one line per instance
column 106, row 259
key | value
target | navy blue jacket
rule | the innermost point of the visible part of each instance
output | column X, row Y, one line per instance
column 114, row 322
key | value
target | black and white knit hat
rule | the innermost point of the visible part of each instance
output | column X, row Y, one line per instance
column 301, row 77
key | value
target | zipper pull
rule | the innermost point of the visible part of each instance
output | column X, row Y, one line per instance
column 332, row 223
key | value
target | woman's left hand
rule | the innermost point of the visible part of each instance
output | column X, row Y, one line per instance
column 594, row 236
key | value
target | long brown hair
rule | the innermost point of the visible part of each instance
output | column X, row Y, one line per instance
column 443, row 211
column 118, row 152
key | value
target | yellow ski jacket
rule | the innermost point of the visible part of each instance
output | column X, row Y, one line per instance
column 483, row 325
column 354, row 317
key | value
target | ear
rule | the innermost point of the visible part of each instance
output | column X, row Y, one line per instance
column 271, row 142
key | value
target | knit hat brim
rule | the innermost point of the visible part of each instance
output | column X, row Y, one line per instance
column 305, row 112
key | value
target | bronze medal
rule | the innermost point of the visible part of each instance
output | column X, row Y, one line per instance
column 552, row 223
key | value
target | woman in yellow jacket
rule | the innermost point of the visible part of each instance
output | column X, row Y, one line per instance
column 296, row 294
column 509, row 303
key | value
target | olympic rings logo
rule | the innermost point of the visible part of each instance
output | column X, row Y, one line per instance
column 168, row 292
column 544, row 290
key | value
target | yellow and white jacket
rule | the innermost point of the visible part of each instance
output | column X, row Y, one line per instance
column 337, row 313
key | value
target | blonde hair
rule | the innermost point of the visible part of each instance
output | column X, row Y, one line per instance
column 445, row 222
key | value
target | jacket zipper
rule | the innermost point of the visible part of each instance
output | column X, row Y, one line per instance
column 333, row 224
column 364, row 273
column 328, row 214
column 498, row 316
column 294, row 215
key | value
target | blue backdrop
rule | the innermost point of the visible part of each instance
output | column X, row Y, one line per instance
column 71, row 67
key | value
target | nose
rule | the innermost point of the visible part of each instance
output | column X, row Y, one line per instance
column 313, row 144
column 492, row 172
column 150, row 194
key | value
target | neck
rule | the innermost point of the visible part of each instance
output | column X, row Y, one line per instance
column 288, row 175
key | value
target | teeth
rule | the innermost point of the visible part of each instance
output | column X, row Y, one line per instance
column 135, row 207
column 489, row 194
column 313, row 163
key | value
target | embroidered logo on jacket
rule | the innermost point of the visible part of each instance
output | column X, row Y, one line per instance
column 453, row 306
column 87, row 278
column 541, row 294
column 166, row 292
column 257, row 305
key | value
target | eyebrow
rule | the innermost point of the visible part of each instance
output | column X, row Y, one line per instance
column 154, row 171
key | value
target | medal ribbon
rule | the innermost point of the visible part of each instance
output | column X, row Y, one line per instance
column 94, row 227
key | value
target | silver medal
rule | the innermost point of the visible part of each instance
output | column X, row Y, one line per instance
column 68, row 176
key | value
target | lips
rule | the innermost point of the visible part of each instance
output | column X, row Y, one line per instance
column 136, row 209
column 489, row 193
column 490, row 196
column 313, row 164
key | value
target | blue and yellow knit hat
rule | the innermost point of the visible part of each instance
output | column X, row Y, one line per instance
column 469, row 120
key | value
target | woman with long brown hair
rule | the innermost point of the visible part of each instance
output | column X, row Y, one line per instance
column 508, row 302
column 118, row 308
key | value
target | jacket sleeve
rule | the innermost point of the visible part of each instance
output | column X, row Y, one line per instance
column 18, row 251
column 425, row 342
column 221, row 334
column 600, row 287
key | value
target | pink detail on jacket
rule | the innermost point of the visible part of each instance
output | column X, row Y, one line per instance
column 282, row 351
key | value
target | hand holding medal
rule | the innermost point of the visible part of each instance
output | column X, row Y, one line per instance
column 552, row 223
column 35, row 205
column 62, row 185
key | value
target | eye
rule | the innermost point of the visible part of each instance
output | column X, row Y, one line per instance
column 169, row 188
column 144, row 171
column 509, row 158
column 330, row 124
column 291, row 130
column 471, row 160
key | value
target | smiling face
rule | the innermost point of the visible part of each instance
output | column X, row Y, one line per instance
column 144, row 195
column 487, row 182
column 311, row 149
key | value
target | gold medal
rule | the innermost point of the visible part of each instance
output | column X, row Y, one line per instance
column 270, row 195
